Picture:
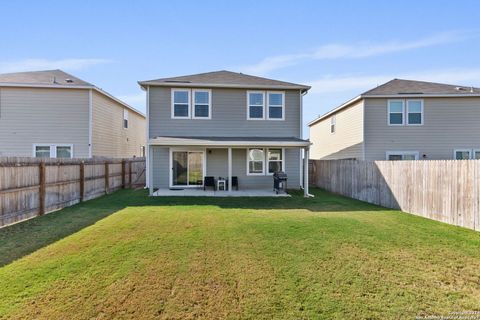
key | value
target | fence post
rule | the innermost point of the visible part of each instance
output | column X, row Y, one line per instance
column 82, row 181
column 123, row 173
column 107, row 178
column 42, row 184
column 130, row 173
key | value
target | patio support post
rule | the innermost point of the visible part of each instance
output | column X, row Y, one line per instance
column 229, row 169
column 305, row 172
column 150, row 170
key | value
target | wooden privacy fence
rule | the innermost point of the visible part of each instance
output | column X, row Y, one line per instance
column 443, row 190
column 30, row 187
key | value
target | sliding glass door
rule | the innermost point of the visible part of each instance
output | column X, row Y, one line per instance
column 187, row 168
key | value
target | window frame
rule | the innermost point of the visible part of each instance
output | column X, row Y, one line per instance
column 333, row 124
column 125, row 118
column 263, row 105
column 53, row 149
column 407, row 112
column 470, row 153
column 209, row 91
column 402, row 113
column 189, row 103
column 248, row 162
column 267, row 109
column 267, row 161
column 402, row 153
column 473, row 154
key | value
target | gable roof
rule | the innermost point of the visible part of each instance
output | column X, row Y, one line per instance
column 401, row 88
column 54, row 79
column 223, row 79
column 413, row 87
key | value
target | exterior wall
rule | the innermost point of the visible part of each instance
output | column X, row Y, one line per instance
column 449, row 123
column 216, row 165
column 229, row 116
column 40, row 115
column 109, row 138
column 346, row 142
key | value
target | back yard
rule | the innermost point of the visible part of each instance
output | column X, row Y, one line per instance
column 129, row 256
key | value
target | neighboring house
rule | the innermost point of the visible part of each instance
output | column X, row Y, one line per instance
column 224, row 124
column 54, row 114
column 401, row 119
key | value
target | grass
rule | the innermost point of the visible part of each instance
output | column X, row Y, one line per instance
column 127, row 256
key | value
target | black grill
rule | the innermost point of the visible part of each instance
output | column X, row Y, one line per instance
column 280, row 182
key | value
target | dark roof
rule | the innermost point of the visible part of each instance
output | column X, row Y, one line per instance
column 224, row 79
column 412, row 87
column 43, row 78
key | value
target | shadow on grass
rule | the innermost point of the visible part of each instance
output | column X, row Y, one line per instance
column 26, row 237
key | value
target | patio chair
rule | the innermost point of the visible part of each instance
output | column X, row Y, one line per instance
column 209, row 182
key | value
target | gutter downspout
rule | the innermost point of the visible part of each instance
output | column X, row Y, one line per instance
column 302, row 184
column 147, row 147
column 90, row 123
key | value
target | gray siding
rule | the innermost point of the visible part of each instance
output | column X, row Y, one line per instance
column 449, row 123
column 229, row 116
column 217, row 167
column 37, row 115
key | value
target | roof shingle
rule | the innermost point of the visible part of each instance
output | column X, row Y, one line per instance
column 413, row 87
column 43, row 78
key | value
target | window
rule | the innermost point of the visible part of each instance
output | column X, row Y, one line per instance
column 181, row 103
column 402, row 155
column 255, row 161
column 201, row 105
column 333, row 122
column 462, row 154
column 125, row 118
column 276, row 106
column 414, row 112
column 476, row 154
column 395, row 112
column 53, row 151
column 256, row 105
column 274, row 160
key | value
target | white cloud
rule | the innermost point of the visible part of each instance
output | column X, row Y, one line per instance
column 355, row 51
column 45, row 64
column 360, row 83
column 136, row 100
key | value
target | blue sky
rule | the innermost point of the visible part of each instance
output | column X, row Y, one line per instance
column 340, row 48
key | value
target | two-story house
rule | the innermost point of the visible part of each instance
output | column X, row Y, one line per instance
column 401, row 120
column 54, row 114
column 224, row 124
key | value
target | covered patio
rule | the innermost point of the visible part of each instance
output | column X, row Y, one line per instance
column 179, row 166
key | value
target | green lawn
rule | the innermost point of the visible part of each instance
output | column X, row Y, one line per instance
column 129, row 256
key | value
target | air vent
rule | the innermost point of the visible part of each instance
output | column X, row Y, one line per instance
column 69, row 80
column 461, row 89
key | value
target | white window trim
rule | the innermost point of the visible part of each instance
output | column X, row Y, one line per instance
column 263, row 162
column 248, row 105
column 333, row 122
column 209, row 104
column 268, row 106
column 53, row 148
column 388, row 112
column 473, row 153
column 192, row 149
column 470, row 153
column 402, row 153
column 125, row 117
column 189, row 101
column 407, row 112
column 267, row 161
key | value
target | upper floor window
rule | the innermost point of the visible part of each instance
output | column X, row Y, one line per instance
column 333, row 123
column 256, row 105
column 410, row 115
column 276, row 105
column 395, row 112
column 180, row 103
column 125, row 118
column 201, row 105
column 188, row 103
column 414, row 112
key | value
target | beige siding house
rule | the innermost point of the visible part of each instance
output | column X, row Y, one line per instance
column 401, row 119
column 54, row 114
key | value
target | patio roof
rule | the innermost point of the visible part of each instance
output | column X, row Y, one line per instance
column 229, row 141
